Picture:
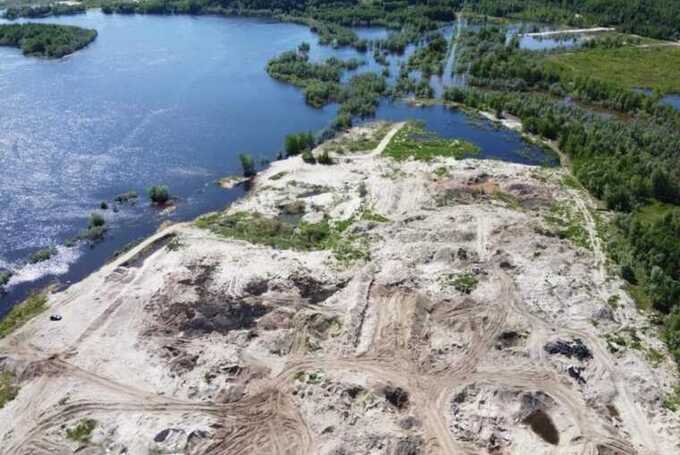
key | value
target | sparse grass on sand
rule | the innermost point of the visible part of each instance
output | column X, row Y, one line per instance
column 259, row 229
column 656, row 68
column 8, row 391
column 21, row 313
column 414, row 141
column 82, row 432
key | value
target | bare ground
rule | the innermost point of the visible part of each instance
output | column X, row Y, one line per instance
column 194, row 343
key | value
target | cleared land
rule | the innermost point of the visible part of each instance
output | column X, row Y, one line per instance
column 479, row 319
column 656, row 67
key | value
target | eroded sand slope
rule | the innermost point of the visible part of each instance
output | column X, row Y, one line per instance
column 471, row 328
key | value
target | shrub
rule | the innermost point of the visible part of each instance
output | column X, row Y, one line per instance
column 5, row 275
column 82, row 432
column 159, row 194
column 342, row 122
column 308, row 157
column 297, row 143
column 247, row 164
column 123, row 198
column 104, row 205
column 325, row 158
column 96, row 220
column 42, row 255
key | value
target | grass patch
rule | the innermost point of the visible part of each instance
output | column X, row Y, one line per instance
column 370, row 215
column 82, row 432
column 656, row 68
column 414, row 141
column 641, row 298
column 570, row 181
column 301, row 236
column 278, row 175
column 654, row 357
column 568, row 224
column 672, row 400
column 21, row 313
column 653, row 212
column 8, row 391
column 314, row 377
column 465, row 282
column 441, row 172
column 507, row 198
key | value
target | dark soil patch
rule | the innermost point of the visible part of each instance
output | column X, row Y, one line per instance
column 569, row 349
column 543, row 426
column 396, row 396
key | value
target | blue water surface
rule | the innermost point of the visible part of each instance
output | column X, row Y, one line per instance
column 158, row 99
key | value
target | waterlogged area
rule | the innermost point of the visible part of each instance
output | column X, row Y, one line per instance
column 159, row 100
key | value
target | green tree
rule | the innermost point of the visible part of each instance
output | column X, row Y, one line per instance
column 159, row 194
column 247, row 164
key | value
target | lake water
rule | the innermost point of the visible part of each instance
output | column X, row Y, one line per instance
column 155, row 99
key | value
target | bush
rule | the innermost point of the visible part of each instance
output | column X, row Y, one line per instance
column 82, row 431
column 96, row 220
column 308, row 157
column 325, row 158
column 297, row 143
column 342, row 122
column 247, row 164
column 159, row 194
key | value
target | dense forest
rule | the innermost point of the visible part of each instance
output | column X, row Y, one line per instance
column 33, row 12
column 46, row 40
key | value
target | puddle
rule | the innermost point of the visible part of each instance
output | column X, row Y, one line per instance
column 542, row 425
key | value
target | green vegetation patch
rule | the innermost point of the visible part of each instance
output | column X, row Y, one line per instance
column 42, row 255
column 46, row 40
column 5, row 276
column 672, row 400
column 464, row 282
column 8, row 390
column 313, row 377
column 656, row 67
column 301, row 236
column 82, row 432
column 568, row 224
column 414, row 141
column 21, row 313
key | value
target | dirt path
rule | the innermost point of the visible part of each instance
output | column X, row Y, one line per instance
column 382, row 144
column 572, row 31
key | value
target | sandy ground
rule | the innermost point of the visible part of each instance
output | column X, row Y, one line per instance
column 195, row 343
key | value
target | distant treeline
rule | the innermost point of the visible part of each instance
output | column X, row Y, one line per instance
column 33, row 12
column 654, row 18
column 46, row 40
column 491, row 62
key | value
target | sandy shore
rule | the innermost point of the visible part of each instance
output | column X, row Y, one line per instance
column 450, row 306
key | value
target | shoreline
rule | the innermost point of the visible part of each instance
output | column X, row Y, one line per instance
column 211, row 325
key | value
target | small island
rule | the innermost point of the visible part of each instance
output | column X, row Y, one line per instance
column 46, row 40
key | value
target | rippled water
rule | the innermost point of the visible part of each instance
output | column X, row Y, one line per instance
column 156, row 99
